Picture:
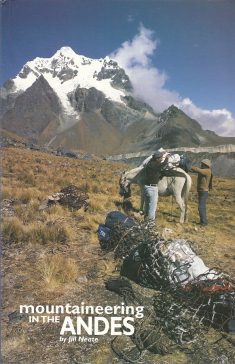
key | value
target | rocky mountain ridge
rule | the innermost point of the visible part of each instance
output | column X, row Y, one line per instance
column 65, row 71
column 79, row 103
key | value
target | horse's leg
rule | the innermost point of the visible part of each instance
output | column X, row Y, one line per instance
column 186, row 211
column 181, row 204
column 185, row 198
column 141, row 198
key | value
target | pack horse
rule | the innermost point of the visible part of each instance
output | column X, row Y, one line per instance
column 178, row 185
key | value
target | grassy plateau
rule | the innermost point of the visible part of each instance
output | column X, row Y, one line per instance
column 53, row 256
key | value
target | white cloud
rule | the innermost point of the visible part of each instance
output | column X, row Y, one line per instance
column 149, row 83
column 219, row 120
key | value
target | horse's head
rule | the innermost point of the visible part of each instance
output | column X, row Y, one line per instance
column 124, row 186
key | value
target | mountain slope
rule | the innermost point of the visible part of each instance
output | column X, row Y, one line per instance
column 93, row 133
column 76, row 102
column 180, row 130
column 34, row 110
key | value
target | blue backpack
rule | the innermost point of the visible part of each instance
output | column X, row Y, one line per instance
column 113, row 219
column 103, row 233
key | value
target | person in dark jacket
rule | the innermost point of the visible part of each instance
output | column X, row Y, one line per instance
column 204, row 184
column 152, row 177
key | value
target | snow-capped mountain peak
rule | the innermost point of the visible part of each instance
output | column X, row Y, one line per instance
column 66, row 70
column 66, row 51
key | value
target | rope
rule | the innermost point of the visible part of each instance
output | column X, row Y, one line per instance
column 178, row 317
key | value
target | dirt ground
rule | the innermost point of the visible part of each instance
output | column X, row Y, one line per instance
column 53, row 256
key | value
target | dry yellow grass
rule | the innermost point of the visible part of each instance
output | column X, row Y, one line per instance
column 56, row 270
column 54, row 254
column 16, row 343
column 13, row 230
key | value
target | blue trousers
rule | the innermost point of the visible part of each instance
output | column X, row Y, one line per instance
column 202, row 198
column 150, row 202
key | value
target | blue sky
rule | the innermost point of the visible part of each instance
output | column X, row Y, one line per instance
column 191, row 54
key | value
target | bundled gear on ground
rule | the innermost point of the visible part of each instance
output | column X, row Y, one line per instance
column 116, row 224
column 69, row 196
column 190, row 298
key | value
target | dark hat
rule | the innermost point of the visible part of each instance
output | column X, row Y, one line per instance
column 157, row 155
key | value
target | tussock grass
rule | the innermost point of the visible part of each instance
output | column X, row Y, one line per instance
column 21, row 194
column 97, row 203
column 27, row 178
column 57, row 269
column 56, row 211
column 95, row 188
column 13, row 343
column 90, row 223
column 85, row 187
column 29, row 213
column 13, row 230
column 51, row 232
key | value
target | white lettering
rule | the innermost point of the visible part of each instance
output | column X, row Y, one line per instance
column 81, row 323
column 97, row 320
column 128, row 326
column 115, row 325
column 67, row 326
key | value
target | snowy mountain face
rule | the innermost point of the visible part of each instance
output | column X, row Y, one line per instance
column 76, row 102
column 65, row 71
column 72, row 100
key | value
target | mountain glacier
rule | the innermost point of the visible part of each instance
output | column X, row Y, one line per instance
column 66, row 70
column 76, row 102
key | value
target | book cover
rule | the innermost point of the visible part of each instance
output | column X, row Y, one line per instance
column 117, row 188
